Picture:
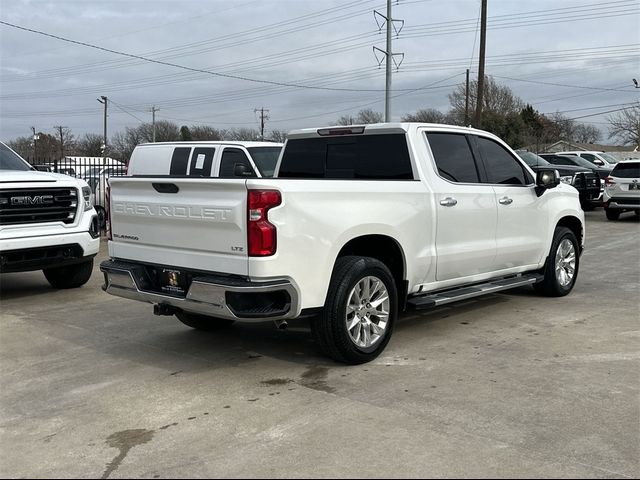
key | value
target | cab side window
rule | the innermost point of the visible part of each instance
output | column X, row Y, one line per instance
column 201, row 162
column 453, row 157
column 231, row 157
column 501, row 167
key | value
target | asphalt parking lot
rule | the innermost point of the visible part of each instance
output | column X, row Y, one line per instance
column 509, row 385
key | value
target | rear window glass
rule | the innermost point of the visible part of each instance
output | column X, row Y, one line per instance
column 626, row 170
column 363, row 157
column 265, row 158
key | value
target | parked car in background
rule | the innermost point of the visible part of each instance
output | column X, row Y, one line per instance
column 47, row 222
column 600, row 159
column 602, row 172
column 43, row 168
column 206, row 159
column 622, row 189
column 582, row 179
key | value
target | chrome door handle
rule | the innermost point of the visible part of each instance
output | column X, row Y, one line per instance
column 505, row 201
column 448, row 202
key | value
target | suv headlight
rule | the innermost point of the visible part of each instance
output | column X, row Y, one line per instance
column 86, row 194
column 568, row 179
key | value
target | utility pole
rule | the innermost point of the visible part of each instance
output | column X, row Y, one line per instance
column 154, row 109
column 263, row 117
column 466, row 101
column 104, row 101
column 36, row 137
column 483, row 44
column 389, row 55
column 60, row 129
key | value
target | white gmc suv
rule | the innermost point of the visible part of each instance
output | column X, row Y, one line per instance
column 47, row 223
column 360, row 223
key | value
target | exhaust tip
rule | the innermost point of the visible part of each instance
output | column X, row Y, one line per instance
column 281, row 324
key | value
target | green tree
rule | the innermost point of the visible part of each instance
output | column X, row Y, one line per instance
column 185, row 134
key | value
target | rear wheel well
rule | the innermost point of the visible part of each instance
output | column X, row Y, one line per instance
column 573, row 224
column 386, row 250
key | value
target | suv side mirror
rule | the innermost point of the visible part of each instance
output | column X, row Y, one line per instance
column 545, row 179
column 598, row 162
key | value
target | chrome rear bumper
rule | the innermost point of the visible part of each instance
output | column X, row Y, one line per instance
column 216, row 296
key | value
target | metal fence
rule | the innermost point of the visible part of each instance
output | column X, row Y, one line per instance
column 93, row 170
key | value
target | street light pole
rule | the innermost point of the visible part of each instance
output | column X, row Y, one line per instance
column 104, row 101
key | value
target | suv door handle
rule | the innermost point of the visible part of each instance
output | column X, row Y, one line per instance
column 448, row 202
column 505, row 201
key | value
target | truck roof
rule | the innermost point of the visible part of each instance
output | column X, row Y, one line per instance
column 246, row 144
column 379, row 128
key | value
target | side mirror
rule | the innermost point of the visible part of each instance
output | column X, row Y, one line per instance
column 241, row 170
column 545, row 179
column 598, row 162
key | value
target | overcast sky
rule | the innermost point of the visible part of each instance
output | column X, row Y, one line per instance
column 588, row 50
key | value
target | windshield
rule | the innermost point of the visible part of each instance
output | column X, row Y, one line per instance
column 265, row 159
column 609, row 158
column 10, row 160
column 532, row 159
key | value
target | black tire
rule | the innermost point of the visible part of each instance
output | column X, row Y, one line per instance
column 551, row 286
column 203, row 322
column 70, row 276
column 102, row 217
column 612, row 214
column 587, row 206
column 329, row 329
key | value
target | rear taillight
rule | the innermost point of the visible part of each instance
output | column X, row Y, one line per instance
column 261, row 234
column 107, row 210
column 609, row 181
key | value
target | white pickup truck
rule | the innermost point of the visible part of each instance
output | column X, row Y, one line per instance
column 47, row 222
column 360, row 223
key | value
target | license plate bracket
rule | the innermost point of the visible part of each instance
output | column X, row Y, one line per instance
column 173, row 282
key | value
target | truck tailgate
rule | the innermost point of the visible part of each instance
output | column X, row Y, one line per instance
column 198, row 224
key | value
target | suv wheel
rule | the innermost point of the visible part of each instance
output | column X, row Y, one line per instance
column 69, row 276
column 612, row 214
column 203, row 322
column 360, row 311
column 561, row 268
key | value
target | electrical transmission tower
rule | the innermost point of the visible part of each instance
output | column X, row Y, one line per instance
column 263, row 117
column 388, row 54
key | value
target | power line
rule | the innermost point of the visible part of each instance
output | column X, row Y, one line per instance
column 184, row 67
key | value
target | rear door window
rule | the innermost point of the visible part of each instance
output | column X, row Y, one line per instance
column 232, row 157
column 359, row 157
column 201, row 162
column 454, row 158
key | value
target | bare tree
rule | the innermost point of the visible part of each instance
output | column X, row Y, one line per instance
column 204, row 132
column 496, row 98
column 66, row 139
column 426, row 115
column 241, row 134
column 166, row 131
column 369, row 116
column 90, row 145
column 123, row 143
column 625, row 125
column 364, row 116
column 584, row 133
column 277, row 136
